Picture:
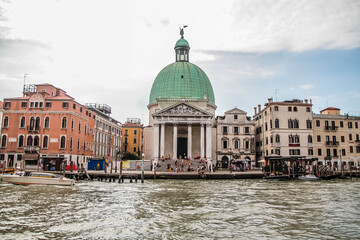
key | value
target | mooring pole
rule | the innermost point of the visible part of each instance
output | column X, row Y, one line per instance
column 142, row 168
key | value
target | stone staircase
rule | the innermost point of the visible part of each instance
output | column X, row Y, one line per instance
column 183, row 165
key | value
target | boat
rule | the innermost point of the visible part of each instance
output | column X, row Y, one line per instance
column 330, row 176
column 38, row 178
column 277, row 177
column 308, row 177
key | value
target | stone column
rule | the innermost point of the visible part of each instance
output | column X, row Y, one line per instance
column 156, row 142
column 208, row 141
column 162, row 141
column 189, row 143
column 202, row 141
column 175, row 142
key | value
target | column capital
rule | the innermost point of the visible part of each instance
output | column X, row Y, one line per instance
column 156, row 124
column 208, row 124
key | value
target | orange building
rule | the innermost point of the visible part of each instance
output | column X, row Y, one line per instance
column 132, row 138
column 45, row 128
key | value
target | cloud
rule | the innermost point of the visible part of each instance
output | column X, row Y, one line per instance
column 165, row 22
column 307, row 86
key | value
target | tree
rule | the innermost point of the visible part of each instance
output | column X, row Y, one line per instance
column 130, row 156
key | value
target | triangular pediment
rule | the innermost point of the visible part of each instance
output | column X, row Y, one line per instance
column 182, row 109
column 236, row 111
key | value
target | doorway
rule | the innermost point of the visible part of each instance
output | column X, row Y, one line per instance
column 182, row 147
column 224, row 162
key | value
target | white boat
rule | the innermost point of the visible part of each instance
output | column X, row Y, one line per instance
column 38, row 178
column 308, row 177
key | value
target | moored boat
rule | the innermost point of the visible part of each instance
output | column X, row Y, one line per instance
column 38, row 178
column 308, row 177
column 277, row 177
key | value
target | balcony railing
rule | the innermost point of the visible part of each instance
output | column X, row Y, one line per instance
column 332, row 143
column 331, row 128
column 31, row 149
column 33, row 129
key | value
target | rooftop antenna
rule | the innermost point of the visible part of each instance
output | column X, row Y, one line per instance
column 276, row 90
column 26, row 74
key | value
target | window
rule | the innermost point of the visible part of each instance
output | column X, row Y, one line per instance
column 45, row 142
column 343, row 152
column 72, row 123
column 328, row 152
column 310, row 139
column 79, row 126
column 318, row 123
column 3, row 141
column 64, row 123
column 276, row 108
column 294, row 151
column 318, row 138
column 29, row 141
column 23, row 104
column 308, row 110
column 78, row 144
column 293, row 123
column 270, row 123
column 341, row 124
column 335, row 152
column 342, row 138
column 247, row 144
column 74, row 106
column 350, row 137
column 225, row 130
column 6, row 122
column 246, row 130
column 294, row 139
column 295, row 109
column 319, row 152
column 266, row 140
column 135, row 132
column 47, row 122
column 271, row 139
column 277, row 123
column 134, row 140
column 37, row 124
column 225, row 143
column 32, row 123
column 22, row 122
column 277, row 151
column 7, row 105
column 236, row 129
column 277, row 138
column 357, row 149
column 36, row 141
column 21, row 141
column 351, row 149
column 126, row 140
column 236, row 144
column 48, row 104
column 356, row 125
column 81, row 109
column 308, row 124
column 289, row 109
column 71, row 143
column 349, row 124
column 65, row 104
column 62, row 142
column 310, row 152
column 134, row 149
column 235, row 117
column 266, row 126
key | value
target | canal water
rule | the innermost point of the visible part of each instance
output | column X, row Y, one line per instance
column 182, row 209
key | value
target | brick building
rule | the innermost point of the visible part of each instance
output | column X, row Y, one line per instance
column 44, row 128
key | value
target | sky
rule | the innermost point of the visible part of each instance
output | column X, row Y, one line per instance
column 104, row 51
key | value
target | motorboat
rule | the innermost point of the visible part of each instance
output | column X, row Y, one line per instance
column 37, row 178
column 277, row 177
column 308, row 177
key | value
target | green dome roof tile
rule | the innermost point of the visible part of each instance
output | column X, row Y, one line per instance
column 182, row 43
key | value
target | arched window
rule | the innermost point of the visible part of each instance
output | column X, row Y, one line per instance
column 45, row 142
column 310, row 139
column 307, row 109
column 79, row 126
column 37, row 123
column 22, row 122
column 297, row 139
column 276, row 108
column 63, row 142
column 64, row 123
column 6, row 122
column 32, row 123
column 277, row 138
column 47, row 122
column 71, row 143
column 29, row 141
column 247, row 144
column 36, row 141
column 21, row 141
column 277, row 123
column 72, row 123
column 236, row 144
column 3, row 141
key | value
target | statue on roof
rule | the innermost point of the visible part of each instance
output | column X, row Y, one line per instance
column 182, row 30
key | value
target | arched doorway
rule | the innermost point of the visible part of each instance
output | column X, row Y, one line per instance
column 224, row 162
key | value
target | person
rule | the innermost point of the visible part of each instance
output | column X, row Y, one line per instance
column 97, row 167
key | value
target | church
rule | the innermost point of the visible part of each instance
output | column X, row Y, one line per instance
column 181, row 112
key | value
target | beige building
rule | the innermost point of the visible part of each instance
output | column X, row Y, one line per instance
column 336, row 138
column 181, row 111
column 284, row 129
column 235, row 139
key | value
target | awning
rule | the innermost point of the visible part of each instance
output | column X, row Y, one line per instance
column 262, row 161
column 30, row 156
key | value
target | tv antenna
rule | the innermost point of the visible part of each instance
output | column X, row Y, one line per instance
column 276, row 90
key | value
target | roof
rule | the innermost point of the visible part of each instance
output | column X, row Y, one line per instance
column 129, row 124
column 182, row 80
column 330, row 108
column 182, row 43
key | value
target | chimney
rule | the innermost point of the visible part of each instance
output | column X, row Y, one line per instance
column 306, row 101
column 255, row 110
column 259, row 107
column 270, row 100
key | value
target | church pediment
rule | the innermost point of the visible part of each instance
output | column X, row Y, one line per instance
column 182, row 109
column 236, row 111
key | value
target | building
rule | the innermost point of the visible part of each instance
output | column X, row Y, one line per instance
column 107, row 133
column 133, row 136
column 45, row 128
column 235, row 139
column 336, row 138
column 181, row 111
column 284, row 129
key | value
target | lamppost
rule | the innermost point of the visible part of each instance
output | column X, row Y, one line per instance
column 142, row 168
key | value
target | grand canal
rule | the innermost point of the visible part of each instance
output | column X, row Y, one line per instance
column 177, row 209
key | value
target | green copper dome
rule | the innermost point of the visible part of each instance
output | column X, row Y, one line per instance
column 182, row 43
column 182, row 80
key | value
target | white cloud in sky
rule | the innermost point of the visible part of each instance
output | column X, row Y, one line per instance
column 307, row 86
column 111, row 51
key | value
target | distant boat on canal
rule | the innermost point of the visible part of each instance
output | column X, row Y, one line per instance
column 308, row 177
column 38, row 178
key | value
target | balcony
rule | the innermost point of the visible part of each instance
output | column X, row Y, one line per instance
column 357, row 141
column 236, row 133
column 33, row 129
column 332, row 143
column 247, row 133
column 31, row 149
column 310, row 144
column 331, row 128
